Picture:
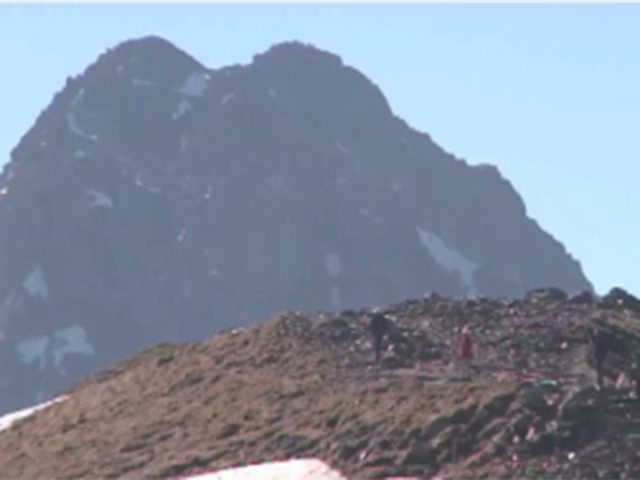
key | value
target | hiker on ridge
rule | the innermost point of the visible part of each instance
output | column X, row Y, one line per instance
column 600, row 346
column 379, row 326
column 465, row 352
column 635, row 374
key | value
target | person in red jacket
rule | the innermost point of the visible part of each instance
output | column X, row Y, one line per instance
column 465, row 352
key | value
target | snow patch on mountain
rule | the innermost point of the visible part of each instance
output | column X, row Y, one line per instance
column 9, row 419
column 139, row 181
column 72, row 122
column 367, row 214
column 449, row 259
column 139, row 82
column 297, row 469
column 36, row 285
column 100, row 199
column 63, row 342
column 12, row 300
column 183, row 107
column 75, row 128
column 34, row 349
column 227, row 98
column 195, row 85
column 341, row 147
column 332, row 264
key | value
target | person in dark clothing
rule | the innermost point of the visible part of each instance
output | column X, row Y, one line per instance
column 600, row 346
column 379, row 326
column 465, row 352
column 635, row 374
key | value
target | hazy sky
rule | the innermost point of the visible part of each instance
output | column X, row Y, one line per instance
column 548, row 93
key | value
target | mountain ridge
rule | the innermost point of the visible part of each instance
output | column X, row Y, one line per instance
column 157, row 200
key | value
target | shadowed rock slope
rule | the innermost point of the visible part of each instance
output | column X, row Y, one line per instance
column 303, row 386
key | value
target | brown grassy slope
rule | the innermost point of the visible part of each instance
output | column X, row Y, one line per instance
column 303, row 385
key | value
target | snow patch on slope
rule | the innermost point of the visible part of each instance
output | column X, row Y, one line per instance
column 10, row 418
column 183, row 107
column 100, row 199
column 72, row 122
column 227, row 98
column 298, row 469
column 332, row 264
column 195, row 84
column 449, row 259
column 36, row 285
column 63, row 342
column 367, row 214
column 34, row 349
column 341, row 147
column 139, row 82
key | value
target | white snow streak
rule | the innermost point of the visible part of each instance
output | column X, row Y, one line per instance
column 100, row 199
column 72, row 123
column 8, row 303
column 75, row 128
column 341, row 147
column 272, row 93
column 80, row 154
column 448, row 257
column 7, row 420
column 139, row 82
column 34, row 349
column 227, row 98
column 332, row 264
column 183, row 107
column 184, row 142
column 298, row 469
column 366, row 213
column 69, row 340
column 36, row 285
column 140, row 183
column 195, row 84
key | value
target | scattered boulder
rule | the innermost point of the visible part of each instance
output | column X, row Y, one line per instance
column 547, row 294
column 618, row 298
column 582, row 298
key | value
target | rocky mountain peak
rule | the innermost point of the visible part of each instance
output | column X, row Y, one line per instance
column 156, row 199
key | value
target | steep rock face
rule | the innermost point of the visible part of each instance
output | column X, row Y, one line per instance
column 156, row 199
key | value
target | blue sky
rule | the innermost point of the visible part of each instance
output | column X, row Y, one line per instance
column 549, row 93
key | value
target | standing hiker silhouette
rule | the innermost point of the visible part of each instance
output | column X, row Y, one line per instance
column 379, row 326
column 465, row 352
column 600, row 346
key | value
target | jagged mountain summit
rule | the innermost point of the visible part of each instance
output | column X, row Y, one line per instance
column 156, row 199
